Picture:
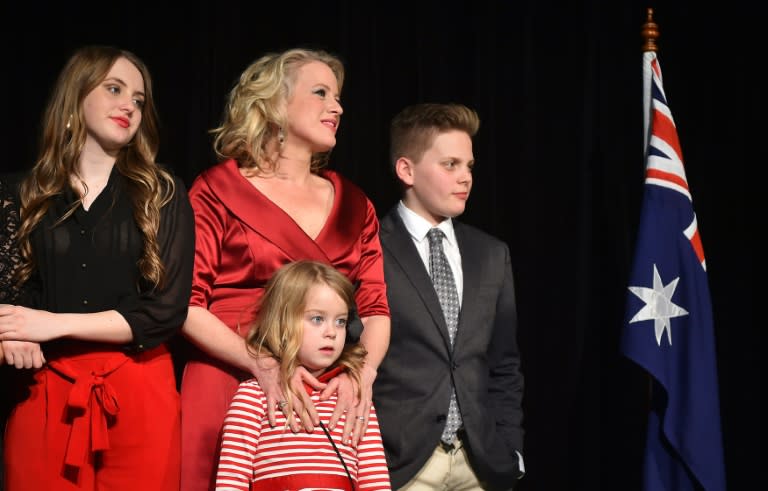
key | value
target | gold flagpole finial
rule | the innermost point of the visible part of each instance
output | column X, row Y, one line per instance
column 650, row 32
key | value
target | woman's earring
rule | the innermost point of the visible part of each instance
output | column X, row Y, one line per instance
column 281, row 136
column 69, row 122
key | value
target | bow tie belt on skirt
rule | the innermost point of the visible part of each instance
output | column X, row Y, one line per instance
column 91, row 405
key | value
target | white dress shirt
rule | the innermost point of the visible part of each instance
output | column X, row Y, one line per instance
column 418, row 227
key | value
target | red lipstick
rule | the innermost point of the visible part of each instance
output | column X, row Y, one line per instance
column 122, row 122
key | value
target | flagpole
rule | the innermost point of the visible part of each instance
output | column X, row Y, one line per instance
column 649, row 33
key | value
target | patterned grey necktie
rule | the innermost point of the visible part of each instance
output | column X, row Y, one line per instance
column 445, row 287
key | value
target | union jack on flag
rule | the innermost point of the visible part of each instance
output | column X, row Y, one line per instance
column 668, row 330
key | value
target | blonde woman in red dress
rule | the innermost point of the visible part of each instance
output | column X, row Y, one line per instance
column 270, row 201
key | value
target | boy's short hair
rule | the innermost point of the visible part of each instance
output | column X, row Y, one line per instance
column 414, row 128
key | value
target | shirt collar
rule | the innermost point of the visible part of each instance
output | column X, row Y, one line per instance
column 69, row 196
column 418, row 226
column 324, row 377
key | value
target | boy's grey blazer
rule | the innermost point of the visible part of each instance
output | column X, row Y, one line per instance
column 413, row 385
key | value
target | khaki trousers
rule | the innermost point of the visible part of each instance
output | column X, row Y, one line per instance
column 447, row 469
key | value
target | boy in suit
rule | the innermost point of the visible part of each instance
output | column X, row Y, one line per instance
column 449, row 390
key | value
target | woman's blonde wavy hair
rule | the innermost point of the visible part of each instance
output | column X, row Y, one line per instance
column 62, row 141
column 254, row 112
column 278, row 330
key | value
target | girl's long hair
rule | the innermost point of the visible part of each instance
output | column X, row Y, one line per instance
column 63, row 139
column 278, row 330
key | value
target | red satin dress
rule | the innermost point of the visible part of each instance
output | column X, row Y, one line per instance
column 242, row 238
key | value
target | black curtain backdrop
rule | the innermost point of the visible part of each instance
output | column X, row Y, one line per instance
column 559, row 176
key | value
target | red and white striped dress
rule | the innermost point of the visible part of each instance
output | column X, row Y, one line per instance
column 255, row 456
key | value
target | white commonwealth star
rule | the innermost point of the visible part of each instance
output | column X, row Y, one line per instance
column 658, row 305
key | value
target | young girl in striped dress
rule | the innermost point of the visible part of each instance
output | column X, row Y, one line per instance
column 307, row 317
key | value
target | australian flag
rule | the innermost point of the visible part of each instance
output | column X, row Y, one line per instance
column 668, row 329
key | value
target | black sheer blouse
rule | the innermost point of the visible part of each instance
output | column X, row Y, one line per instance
column 88, row 263
column 10, row 257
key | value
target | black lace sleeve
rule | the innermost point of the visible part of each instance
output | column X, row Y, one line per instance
column 10, row 257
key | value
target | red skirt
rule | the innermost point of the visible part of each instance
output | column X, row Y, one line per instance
column 96, row 419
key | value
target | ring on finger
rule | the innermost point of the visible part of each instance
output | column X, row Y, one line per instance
column 281, row 404
column 360, row 418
